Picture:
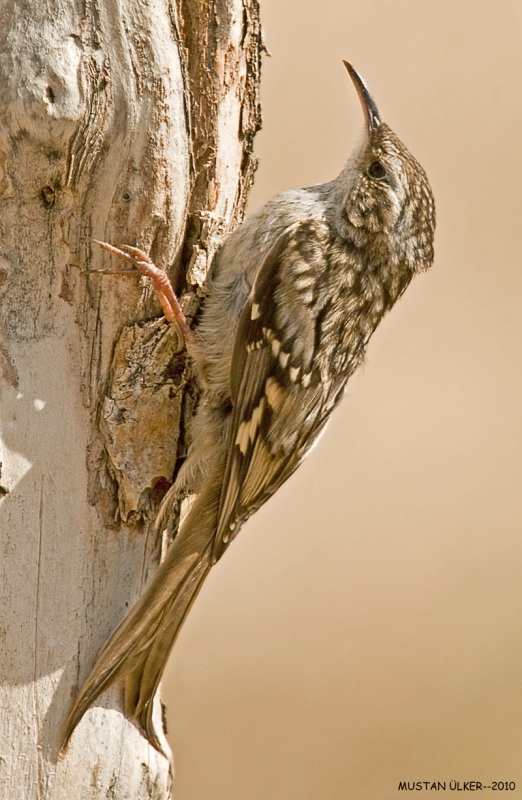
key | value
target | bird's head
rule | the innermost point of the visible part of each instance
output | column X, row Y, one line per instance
column 384, row 198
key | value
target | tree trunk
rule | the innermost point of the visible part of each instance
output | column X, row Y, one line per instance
column 131, row 122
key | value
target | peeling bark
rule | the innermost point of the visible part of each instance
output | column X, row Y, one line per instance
column 131, row 122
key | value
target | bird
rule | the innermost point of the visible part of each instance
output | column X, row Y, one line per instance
column 295, row 293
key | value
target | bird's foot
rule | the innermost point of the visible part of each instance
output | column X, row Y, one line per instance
column 140, row 261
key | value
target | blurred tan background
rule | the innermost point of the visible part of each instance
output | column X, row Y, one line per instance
column 366, row 626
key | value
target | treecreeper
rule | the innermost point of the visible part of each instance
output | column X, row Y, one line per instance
column 295, row 294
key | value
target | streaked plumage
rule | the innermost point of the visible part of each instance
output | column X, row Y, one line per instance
column 296, row 293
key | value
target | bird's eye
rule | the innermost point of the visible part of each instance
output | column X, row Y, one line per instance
column 376, row 171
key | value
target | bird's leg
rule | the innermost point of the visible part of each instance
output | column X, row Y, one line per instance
column 159, row 282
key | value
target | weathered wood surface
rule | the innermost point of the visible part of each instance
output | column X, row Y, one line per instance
column 132, row 122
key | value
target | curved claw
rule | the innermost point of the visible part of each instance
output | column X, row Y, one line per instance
column 159, row 281
column 120, row 250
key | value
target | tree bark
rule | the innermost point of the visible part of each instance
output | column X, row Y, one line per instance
column 132, row 122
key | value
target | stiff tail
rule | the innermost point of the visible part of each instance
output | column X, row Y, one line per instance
column 137, row 650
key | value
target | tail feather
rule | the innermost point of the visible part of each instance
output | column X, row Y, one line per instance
column 139, row 696
column 138, row 649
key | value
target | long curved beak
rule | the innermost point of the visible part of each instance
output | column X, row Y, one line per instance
column 369, row 107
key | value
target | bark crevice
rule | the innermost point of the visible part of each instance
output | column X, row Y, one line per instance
column 132, row 123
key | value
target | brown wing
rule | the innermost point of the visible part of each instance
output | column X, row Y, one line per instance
column 281, row 395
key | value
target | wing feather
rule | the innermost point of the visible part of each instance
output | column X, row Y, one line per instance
column 280, row 400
